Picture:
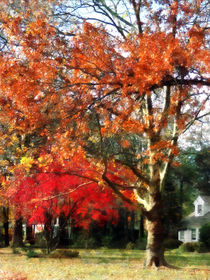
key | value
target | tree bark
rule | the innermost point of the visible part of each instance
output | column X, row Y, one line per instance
column 181, row 196
column 132, row 224
column 18, row 233
column 6, row 234
column 6, row 225
column 141, row 227
column 125, row 220
column 30, row 234
column 48, row 231
column 154, row 225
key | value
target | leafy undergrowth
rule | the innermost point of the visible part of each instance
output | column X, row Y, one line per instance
column 58, row 253
column 64, row 254
column 103, row 265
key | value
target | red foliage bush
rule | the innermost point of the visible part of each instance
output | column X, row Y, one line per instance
column 60, row 193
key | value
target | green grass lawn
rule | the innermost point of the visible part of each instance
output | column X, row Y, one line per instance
column 178, row 259
column 102, row 264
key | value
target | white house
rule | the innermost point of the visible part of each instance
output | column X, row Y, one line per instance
column 190, row 226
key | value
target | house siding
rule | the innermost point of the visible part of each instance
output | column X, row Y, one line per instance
column 206, row 208
column 187, row 235
column 199, row 201
column 190, row 229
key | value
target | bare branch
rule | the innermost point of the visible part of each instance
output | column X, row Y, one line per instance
column 58, row 195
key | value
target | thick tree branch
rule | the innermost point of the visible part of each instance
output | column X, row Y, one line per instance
column 142, row 178
column 137, row 7
column 116, row 190
column 60, row 194
column 175, row 82
column 166, row 106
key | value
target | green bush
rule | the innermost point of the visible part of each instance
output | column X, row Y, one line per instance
column 106, row 241
column 32, row 254
column 198, row 247
column 40, row 240
column 119, row 243
column 130, row 246
column 141, row 244
column 1, row 240
column 15, row 250
column 205, row 235
column 59, row 253
column 171, row 243
column 62, row 253
column 187, row 247
column 84, row 242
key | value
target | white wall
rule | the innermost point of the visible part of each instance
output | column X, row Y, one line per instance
column 188, row 236
column 199, row 201
column 206, row 208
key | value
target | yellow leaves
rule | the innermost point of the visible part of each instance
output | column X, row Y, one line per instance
column 94, row 138
column 18, row 151
column 102, row 183
column 45, row 160
column 3, row 181
column 27, row 162
column 14, row 138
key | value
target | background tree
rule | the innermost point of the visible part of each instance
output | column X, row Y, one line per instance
column 204, row 235
column 202, row 160
column 46, row 196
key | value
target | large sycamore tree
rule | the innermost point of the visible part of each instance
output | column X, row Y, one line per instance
column 111, row 83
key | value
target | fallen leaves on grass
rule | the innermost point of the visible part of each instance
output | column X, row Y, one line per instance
column 4, row 275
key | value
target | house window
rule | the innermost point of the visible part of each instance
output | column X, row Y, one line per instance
column 199, row 209
column 193, row 234
column 182, row 234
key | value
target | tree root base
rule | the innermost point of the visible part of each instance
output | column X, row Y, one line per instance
column 160, row 266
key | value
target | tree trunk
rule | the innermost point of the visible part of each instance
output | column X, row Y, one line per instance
column 154, row 225
column 132, row 225
column 62, row 230
column 126, row 232
column 29, row 234
column 141, row 227
column 6, row 234
column 18, row 233
column 6, row 225
column 181, row 196
column 48, row 231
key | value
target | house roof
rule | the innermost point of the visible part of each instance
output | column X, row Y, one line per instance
column 192, row 221
column 206, row 198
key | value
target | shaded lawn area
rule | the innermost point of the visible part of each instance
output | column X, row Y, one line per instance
column 102, row 264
